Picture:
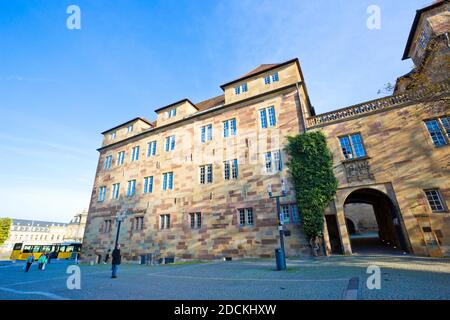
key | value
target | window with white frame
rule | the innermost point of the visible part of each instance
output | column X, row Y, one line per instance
column 352, row 146
column 206, row 133
column 131, row 188
column 240, row 89
column 267, row 117
column 108, row 162
column 151, row 148
column 101, row 194
column 246, row 217
column 130, row 128
column 120, row 158
column 112, row 135
column 230, row 169
column 148, row 184
column 271, row 78
column 229, row 128
column 273, row 162
column 435, row 200
column 289, row 213
column 206, row 174
column 439, row 130
column 195, row 220
column 167, row 181
column 170, row 143
column 135, row 153
column 164, row 221
column 115, row 191
column 172, row 113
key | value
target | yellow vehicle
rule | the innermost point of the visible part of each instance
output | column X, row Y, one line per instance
column 67, row 250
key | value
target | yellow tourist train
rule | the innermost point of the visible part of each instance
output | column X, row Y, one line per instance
column 65, row 250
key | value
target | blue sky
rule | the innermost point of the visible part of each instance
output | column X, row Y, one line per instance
column 60, row 88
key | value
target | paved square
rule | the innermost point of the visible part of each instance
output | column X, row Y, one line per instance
column 402, row 277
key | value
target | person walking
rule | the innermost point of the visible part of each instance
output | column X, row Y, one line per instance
column 107, row 256
column 115, row 261
column 30, row 261
column 41, row 261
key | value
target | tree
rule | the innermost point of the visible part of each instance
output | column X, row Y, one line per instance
column 5, row 225
column 311, row 169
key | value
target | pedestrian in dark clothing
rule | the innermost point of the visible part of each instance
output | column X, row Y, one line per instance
column 107, row 256
column 115, row 261
column 30, row 261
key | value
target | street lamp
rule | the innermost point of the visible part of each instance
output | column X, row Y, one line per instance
column 279, row 255
column 119, row 219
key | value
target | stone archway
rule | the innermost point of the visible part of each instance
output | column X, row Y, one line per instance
column 377, row 222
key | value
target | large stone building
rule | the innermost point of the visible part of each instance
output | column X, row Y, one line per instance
column 192, row 184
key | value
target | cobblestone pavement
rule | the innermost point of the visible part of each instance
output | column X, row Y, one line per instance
column 402, row 277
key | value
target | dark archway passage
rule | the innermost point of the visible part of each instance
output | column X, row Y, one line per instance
column 384, row 236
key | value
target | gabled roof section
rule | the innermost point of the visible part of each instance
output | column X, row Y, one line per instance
column 261, row 69
column 416, row 23
column 175, row 103
column 132, row 120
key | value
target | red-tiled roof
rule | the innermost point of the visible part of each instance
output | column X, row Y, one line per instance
column 260, row 68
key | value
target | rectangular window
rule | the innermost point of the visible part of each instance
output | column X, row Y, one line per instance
column 131, row 188
column 245, row 217
column 234, row 169
column 273, row 161
column 195, row 220
column 263, row 118
column 272, row 117
column 438, row 130
column 137, row 224
column 101, row 194
column 130, row 128
column 172, row 113
column 206, row 175
column 229, row 128
column 352, row 146
column 108, row 162
column 115, row 191
column 206, row 133
column 237, row 90
column 164, row 221
column 435, row 200
column 275, row 77
column 120, row 158
column 112, row 136
column 167, row 181
column 106, row 226
column 290, row 214
column 135, row 153
column 226, row 168
column 277, row 162
column 170, row 143
column 148, row 184
column 151, row 148
column 244, row 87
column 267, row 80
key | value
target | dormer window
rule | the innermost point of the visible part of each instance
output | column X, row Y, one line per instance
column 271, row 78
column 241, row 88
column 172, row 113
column 130, row 128
column 112, row 136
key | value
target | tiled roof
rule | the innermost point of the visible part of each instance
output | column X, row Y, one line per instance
column 260, row 68
column 210, row 103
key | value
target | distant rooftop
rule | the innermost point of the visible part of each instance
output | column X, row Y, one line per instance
column 37, row 223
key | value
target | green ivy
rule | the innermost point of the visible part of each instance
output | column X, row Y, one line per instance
column 5, row 225
column 311, row 168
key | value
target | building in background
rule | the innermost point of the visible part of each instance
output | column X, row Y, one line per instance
column 192, row 184
column 43, row 232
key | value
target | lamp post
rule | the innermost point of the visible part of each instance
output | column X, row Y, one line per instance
column 119, row 219
column 281, row 261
